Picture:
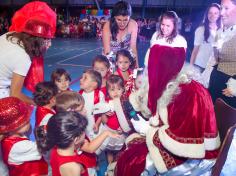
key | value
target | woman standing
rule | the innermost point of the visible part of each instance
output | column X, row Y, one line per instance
column 223, row 77
column 167, row 34
column 32, row 28
column 205, row 36
column 120, row 32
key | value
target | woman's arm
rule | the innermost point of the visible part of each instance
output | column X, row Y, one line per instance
column 106, row 38
column 194, row 54
column 133, row 42
column 16, row 88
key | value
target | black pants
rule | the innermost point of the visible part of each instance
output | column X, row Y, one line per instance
column 217, row 83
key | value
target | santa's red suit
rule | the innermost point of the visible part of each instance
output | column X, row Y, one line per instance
column 29, row 168
column 185, row 124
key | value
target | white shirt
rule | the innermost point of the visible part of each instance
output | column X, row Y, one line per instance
column 205, row 48
column 179, row 41
column 13, row 59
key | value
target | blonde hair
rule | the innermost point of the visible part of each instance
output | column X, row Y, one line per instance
column 68, row 101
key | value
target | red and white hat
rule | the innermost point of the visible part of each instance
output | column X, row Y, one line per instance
column 35, row 18
column 13, row 114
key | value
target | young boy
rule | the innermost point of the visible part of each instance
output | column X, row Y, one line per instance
column 19, row 153
column 90, row 84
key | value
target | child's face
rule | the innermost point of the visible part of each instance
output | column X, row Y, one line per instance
column 101, row 68
column 62, row 84
column 86, row 82
column 115, row 91
column 138, row 81
column 123, row 63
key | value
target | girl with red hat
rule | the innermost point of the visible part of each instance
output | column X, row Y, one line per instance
column 23, row 47
column 19, row 153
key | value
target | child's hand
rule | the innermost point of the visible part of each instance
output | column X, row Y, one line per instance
column 95, row 128
column 104, row 119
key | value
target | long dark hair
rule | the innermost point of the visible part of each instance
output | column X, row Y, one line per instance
column 174, row 17
column 34, row 46
column 120, row 8
column 205, row 21
column 60, row 131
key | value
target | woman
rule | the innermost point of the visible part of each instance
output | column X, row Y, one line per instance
column 30, row 35
column 223, row 77
column 167, row 34
column 120, row 32
column 205, row 36
column 183, row 120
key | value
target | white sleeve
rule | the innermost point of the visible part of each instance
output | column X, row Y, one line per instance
column 199, row 36
column 45, row 120
column 101, row 97
column 24, row 151
column 22, row 63
column 231, row 84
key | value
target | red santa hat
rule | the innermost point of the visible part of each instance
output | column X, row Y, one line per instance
column 35, row 18
column 13, row 114
column 163, row 65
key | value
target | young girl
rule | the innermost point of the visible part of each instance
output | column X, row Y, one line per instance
column 117, row 119
column 72, row 101
column 102, row 65
column 125, row 64
column 64, row 134
column 61, row 78
column 19, row 153
column 44, row 97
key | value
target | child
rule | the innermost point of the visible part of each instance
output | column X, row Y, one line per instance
column 138, row 76
column 44, row 98
column 72, row 101
column 64, row 134
column 116, row 121
column 125, row 64
column 19, row 153
column 102, row 65
column 90, row 84
column 61, row 78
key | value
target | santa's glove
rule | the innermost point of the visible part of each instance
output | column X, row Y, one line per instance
column 141, row 126
column 231, row 85
column 100, row 108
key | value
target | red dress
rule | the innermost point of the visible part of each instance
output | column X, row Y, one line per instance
column 129, row 84
column 58, row 160
column 41, row 113
column 29, row 168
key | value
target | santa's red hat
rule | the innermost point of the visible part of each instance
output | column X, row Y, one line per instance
column 13, row 114
column 35, row 18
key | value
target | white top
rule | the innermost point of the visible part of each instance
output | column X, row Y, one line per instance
column 23, row 151
column 205, row 48
column 89, row 106
column 179, row 41
column 13, row 59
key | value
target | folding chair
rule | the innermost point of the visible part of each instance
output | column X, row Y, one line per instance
column 225, row 117
column 223, row 152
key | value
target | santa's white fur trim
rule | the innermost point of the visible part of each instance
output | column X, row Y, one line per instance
column 131, row 137
column 212, row 143
column 154, row 151
column 120, row 115
column 181, row 149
